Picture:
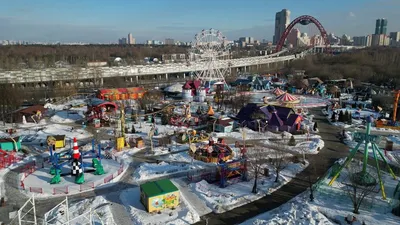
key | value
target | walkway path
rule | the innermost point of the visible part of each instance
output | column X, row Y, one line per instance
column 319, row 164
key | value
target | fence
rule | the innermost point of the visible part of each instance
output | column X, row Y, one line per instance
column 8, row 160
column 86, row 186
column 27, row 170
column 60, row 190
column 36, row 190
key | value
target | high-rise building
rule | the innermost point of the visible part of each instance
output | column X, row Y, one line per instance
column 380, row 40
column 282, row 20
column 381, row 26
column 362, row 41
column 169, row 41
column 293, row 37
column 394, row 38
column 131, row 39
column 122, row 41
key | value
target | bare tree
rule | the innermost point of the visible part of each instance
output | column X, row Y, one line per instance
column 356, row 190
column 256, row 159
column 279, row 160
column 11, row 99
column 150, row 99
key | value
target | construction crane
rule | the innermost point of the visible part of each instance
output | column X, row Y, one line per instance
column 392, row 124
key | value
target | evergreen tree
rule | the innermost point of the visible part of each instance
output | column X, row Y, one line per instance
column 333, row 118
column 341, row 116
column 292, row 141
column 350, row 118
column 133, row 129
column 346, row 116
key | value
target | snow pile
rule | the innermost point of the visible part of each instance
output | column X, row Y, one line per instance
column 183, row 214
column 77, row 212
column 67, row 117
column 297, row 211
column 175, row 88
column 238, row 193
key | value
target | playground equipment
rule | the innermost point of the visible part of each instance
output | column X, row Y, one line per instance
column 38, row 116
column 364, row 178
column 213, row 152
column 191, row 136
column 75, row 159
column 391, row 124
column 232, row 169
column 187, row 119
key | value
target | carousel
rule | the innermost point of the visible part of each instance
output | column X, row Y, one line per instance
column 213, row 152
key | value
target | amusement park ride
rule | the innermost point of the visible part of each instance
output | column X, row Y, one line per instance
column 364, row 178
column 391, row 124
column 74, row 158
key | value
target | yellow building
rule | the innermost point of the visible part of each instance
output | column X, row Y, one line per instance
column 158, row 195
column 58, row 141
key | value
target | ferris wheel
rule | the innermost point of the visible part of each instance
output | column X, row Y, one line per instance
column 209, row 55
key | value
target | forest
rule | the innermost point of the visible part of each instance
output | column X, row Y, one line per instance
column 30, row 56
column 380, row 66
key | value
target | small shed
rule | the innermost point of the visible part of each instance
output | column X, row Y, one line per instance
column 224, row 125
column 58, row 141
column 28, row 112
column 10, row 144
column 137, row 142
column 158, row 195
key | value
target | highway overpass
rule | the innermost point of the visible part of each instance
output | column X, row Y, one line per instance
column 135, row 74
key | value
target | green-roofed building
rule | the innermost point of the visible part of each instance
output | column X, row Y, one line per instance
column 157, row 195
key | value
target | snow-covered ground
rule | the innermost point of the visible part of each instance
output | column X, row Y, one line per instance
column 67, row 116
column 239, row 193
column 307, row 143
column 79, row 212
column 298, row 211
column 331, row 205
column 34, row 136
column 183, row 214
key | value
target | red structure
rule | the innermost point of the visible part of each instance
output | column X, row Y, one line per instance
column 6, row 159
column 304, row 20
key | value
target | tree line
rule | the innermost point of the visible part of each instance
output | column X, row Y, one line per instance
column 46, row 56
column 379, row 66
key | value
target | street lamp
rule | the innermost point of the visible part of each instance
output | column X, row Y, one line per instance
column 97, row 136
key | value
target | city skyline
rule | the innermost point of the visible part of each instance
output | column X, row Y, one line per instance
column 75, row 21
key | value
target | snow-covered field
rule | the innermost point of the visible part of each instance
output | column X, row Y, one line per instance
column 183, row 214
column 331, row 205
column 239, row 193
column 79, row 212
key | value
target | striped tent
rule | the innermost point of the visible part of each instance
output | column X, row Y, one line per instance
column 278, row 92
column 286, row 97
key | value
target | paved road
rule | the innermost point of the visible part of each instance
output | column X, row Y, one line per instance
column 319, row 164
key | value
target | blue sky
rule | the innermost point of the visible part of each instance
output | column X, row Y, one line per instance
column 105, row 21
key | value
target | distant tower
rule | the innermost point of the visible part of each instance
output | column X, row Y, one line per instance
column 282, row 20
column 384, row 23
column 378, row 26
column 381, row 26
column 131, row 39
